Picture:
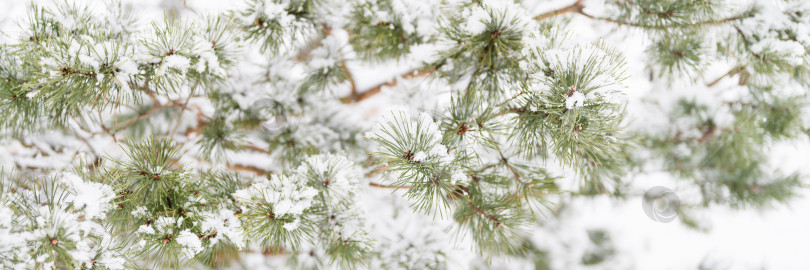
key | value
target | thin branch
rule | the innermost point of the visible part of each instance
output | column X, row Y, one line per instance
column 575, row 7
column 731, row 72
column 201, row 123
column 376, row 171
column 707, row 134
column 660, row 27
column 357, row 97
column 145, row 88
column 183, row 108
column 92, row 166
column 304, row 53
column 482, row 211
column 377, row 185
column 189, row 8
column 129, row 122
column 477, row 209
column 104, row 127
column 349, row 76
column 254, row 148
column 247, row 168
column 506, row 161
column 746, row 42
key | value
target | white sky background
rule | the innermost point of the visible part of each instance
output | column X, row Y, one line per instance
column 778, row 238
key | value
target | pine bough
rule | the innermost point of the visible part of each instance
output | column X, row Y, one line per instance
column 521, row 92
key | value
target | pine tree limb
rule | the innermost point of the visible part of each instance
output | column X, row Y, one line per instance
column 746, row 42
column 377, row 185
column 357, row 97
column 201, row 123
column 477, row 209
column 107, row 130
column 573, row 8
column 254, row 148
column 185, row 5
column 145, row 88
column 183, row 108
column 731, row 72
column 505, row 160
column 350, row 77
column 247, row 168
column 130, row 122
column 664, row 27
column 304, row 53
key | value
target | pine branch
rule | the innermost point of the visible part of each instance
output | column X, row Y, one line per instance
column 185, row 5
column 746, row 42
column 304, row 53
column 477, row 209
column 578, row 7
column 201, row 123
column 350, row 77
column 505, row 160
column 105, row 128
column 358, row 97
column 708, row 133
column 731, row 72
column 378, row 185
column 145, row 88
column 254, row 148
column 374, row 172
column 183, row 108
column 665, row 27
column 247, row 168
column 573, row 8
column 154, row 109
column 529, row 95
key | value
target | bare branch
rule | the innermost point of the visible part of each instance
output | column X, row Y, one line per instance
column 357, row 97
column 573, row 8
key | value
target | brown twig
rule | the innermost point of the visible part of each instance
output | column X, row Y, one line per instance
column 731, row 72
column 708, row 134
column 254, row 148
column 575, row 7
column 201, row 123
column 477, row 209
column 506, row 161
column 350, row 77
column 247, row 168
column 189, row 8
column 377, row 171
column 145, row 89
column 105, row 128
column 377, row 185
column 304, row 53
column 129, row 122
column 747, row 43
column 183, row 108
column 685, row 25
column 357, row 97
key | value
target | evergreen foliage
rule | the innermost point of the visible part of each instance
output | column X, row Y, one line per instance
column 177, row 103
